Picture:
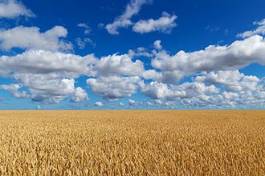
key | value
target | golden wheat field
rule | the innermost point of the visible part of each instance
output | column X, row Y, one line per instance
column 132, row 143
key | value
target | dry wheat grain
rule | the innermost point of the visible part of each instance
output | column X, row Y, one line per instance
column 132, row 143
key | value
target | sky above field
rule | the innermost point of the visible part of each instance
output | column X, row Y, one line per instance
column 132, row 54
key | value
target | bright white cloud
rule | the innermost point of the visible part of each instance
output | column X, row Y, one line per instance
column 236, row 88
column 164, row 24
column 47, row 89
column 124, row 21
column 79, row 95
column 49, row 76
column 117, row 76
column 213, row 58
column 31, row 38
column 44, row 62
column 232, row 80
column 222, row 88
column 260, row 30
column 158, row 90
column 43, row 88
column 13, row 9
column 140, row 52
column 114, row 87
column 157, row 45
column 119, row 65
column 99, row 104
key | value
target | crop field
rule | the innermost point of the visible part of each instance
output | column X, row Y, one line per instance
column 132, row 143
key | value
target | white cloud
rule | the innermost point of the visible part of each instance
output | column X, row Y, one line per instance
column 79, row 95
column 15, row 90
column 222, row 88
column 45, row 74
column 260, row 30
column 140, row 52
column 13, row 9
column 124, row 20
column 158, row 90
column 48, row 76
column 82, row 42
column 47, row 89
column 99, row 104
column 170, row 77
column 43, row 88
column 114, row 87
column 237, row 88
column 157, row 45
column 87, row 29
column 31, row 38
column 119, row 65
column 213, row 58
column 164, row 24
column 152, row 75
column 44, row 62
column 131, row 102
column 232, row 80
column 117, row 76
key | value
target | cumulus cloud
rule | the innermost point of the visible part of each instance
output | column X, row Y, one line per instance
column 44, row 62
column 231, row 80
column 31, row 38
column 43, row 88
column 163, row 24
column 213, row 58
column 157, row 45
column 170, row 77
column 15, row 90
column 131, row 102
column 13, row 9
column 222, row 88
column 119, row 65
column 79, row 95
column 48, row 76
column 236, row 88
column 124, row 20
column 260, row 30
column 152, row 75
column 157, row 90
column 140, row 52
column 99, row 104
column 117, row 76
column 50, row 90
column 114, row 87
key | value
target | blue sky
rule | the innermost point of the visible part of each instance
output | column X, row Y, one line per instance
column 130, row 54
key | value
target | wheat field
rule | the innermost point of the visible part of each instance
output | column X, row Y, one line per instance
column 132, row 143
